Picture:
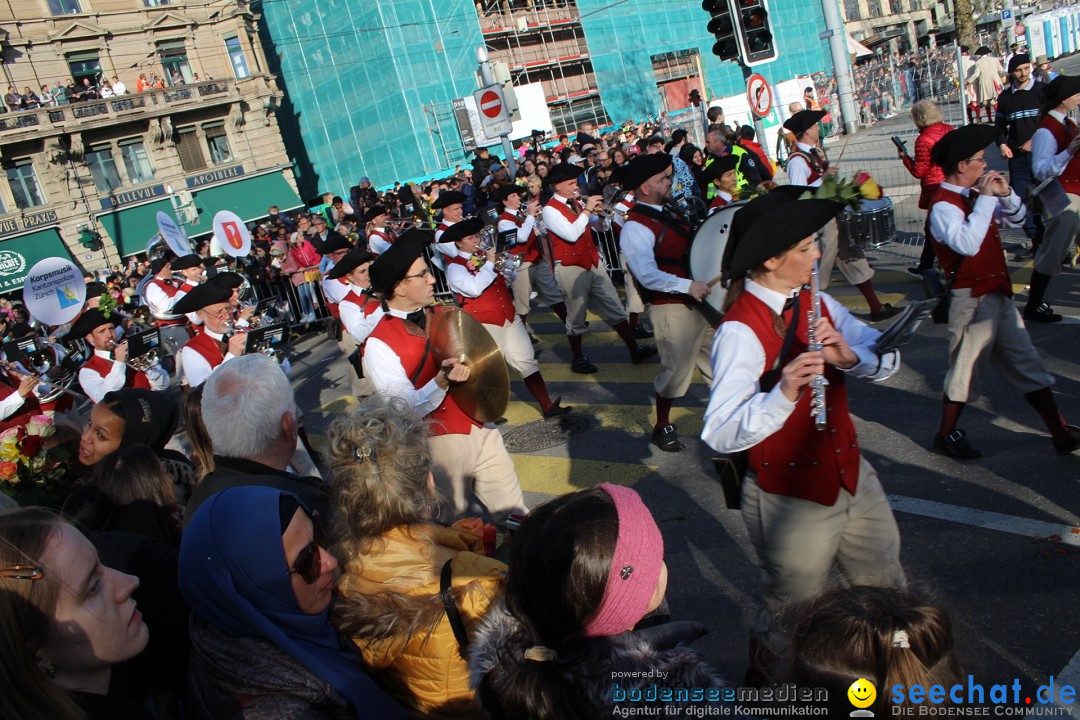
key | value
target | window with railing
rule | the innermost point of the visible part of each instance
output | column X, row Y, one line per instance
column 175, row 61
column 136, row 162
column 102, row 166
column 85, row 65
column 64, row 7
column 187, row 147
column 26, row 191
column 217, row 141
column 236, row 57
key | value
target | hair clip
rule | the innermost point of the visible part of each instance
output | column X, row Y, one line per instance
column 360, row 455
column 22, row 572
column 900, row 639
column 625, row 572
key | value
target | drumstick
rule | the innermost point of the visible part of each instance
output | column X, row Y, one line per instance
column 715, row 280
column 843, row 149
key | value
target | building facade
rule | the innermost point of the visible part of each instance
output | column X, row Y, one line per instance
column 87, row 172
column 370, row 87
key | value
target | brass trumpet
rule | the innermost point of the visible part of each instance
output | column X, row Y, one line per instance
column 506, row 263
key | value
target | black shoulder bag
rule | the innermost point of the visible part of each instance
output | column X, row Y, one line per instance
column 451, row 609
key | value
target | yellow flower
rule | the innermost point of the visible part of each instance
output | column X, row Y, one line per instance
column 870, row 190
column 8, row 453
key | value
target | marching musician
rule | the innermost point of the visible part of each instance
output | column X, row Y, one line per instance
column 723, row 176
column 809, row 498
column 635, row 306
column 215, row 342
column 807, row 165
column 360, row 311
column 984, row 324
column 482, row 292
column 161, row 296
column 578, row 270
column 192, row 270
column 657, row 249
column 467, row 458
column 1053, row 154
column 107, row 368
column 451, row 202
column 334, row 288
column 378, row 236
column 534, row 272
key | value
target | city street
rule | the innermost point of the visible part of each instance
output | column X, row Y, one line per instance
column 995, row 540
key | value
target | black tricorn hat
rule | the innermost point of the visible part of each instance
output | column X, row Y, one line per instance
column 770, row 224
column 962, row 143
column 89, row 321
column 644, row 167
column 460, row 230
column 209, row 293
column 187, row 261
column 373, row 213
column 718, row 167
column 448, row 197
column 352, row 260
column 228, row 280
column 563, row 172
column 506, row 191
column 394, row 264
column 334, row 244
column 803, row 120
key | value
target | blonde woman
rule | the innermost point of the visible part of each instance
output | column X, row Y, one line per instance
column 394, row 556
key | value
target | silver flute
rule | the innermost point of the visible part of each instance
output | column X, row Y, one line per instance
column 818, row 384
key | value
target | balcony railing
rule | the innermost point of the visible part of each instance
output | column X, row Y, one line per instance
column 149, row 101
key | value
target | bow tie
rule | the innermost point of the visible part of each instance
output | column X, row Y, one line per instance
column 418, row 318
column 788, row 304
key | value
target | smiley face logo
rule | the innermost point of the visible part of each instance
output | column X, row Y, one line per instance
column 862, row 693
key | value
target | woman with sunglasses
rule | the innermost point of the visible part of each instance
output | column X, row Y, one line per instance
column 65, row 621
column 256, row 575
column 397, row 559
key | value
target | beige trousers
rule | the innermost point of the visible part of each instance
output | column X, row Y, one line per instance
column 578, row 286
column 513, row 339
column 477, row 466
column 684, row 340
column 853, row 266
column 534, row 276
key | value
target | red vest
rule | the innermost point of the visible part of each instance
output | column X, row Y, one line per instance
column 719, row 202
column 379, row 233
column 817, row 167
column 671, row 254
column 207, row 347
column 1070, row 179
column 448, row 418
column 528, row 249
column 494, row 306
column 171, row 291
column 798, row 460
column 103, row 367
column 366, row 303
column 985, row 272
column 581, row 253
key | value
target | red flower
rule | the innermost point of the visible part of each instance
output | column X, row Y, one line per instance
column 31, row 445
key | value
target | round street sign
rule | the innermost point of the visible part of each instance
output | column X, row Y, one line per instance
column 173, row 234
column 491, row 104
column 54, row 291
column 1019, row 29
column 232, row 234
column 759, row 95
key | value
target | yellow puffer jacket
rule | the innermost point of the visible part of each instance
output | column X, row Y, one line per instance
column 389, row 604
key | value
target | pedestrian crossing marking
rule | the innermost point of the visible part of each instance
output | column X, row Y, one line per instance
column 628, row 418
column 558, row 476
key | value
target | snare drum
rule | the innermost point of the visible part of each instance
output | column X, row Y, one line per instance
column 871, row 226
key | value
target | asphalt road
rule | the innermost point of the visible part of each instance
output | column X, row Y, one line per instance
column 995, row 540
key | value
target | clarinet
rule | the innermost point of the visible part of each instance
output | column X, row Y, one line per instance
column 817, row 385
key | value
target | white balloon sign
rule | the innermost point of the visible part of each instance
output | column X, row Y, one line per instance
column 232, row 234
column 54, row 291
column 174, row 235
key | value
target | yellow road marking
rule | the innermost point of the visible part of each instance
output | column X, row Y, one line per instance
column 557, row 476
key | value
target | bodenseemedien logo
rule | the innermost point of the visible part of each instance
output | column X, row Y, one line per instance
column 862, row 695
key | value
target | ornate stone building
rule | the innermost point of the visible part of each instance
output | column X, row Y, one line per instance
column 193, row 132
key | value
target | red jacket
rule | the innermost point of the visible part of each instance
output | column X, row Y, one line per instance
column 929, row 173
column 765, row 166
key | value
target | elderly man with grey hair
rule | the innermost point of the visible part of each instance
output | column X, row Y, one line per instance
column 253, row 421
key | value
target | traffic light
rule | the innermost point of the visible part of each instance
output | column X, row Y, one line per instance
column 755, row 32
column 723, row 27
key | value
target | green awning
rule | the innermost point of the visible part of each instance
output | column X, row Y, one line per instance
column 19, row 254
column 132, row 229
column 249, row 198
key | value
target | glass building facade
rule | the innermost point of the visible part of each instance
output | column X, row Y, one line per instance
column 369, row 87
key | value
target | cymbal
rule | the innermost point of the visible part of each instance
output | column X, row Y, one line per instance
column 486, row 394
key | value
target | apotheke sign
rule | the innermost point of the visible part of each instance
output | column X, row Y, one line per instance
column 214, row 176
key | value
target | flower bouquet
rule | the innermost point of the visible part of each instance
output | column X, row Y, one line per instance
column 31, row 463
column 850, row 191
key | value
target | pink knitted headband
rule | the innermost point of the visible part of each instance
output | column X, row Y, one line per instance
column 635, row 566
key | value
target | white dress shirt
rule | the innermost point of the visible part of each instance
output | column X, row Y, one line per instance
column 196, row 368
column 383, row 366
column 523, row 230
column 1045, row 158
column 965, row 236
column 798, row 171
column 10, row 405
column 740, row 415
column 378, row 244
column 556, row 223
column 95, row 386
column 356, row 322
column 158, row 300
column 335, row 289
column 464, row 282
column 637, row 242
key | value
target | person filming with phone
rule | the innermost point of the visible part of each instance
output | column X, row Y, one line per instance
column 932, row 127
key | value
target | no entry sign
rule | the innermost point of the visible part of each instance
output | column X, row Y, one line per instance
column 494, row 119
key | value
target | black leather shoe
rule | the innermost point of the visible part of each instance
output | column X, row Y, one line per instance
column 556, row 410
column 887, row 311
column 955, row 445
column 667, row 439
column 642, row 333
column 916, row 271
column 643, row 353
column 582, row 366
column 1041, row 314
column 1069, row 442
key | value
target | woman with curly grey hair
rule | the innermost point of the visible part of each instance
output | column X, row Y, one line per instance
column 396, row 558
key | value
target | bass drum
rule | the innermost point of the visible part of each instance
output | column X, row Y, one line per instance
column 707, row 256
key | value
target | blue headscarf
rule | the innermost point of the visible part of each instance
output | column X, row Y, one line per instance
column 233, row 573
